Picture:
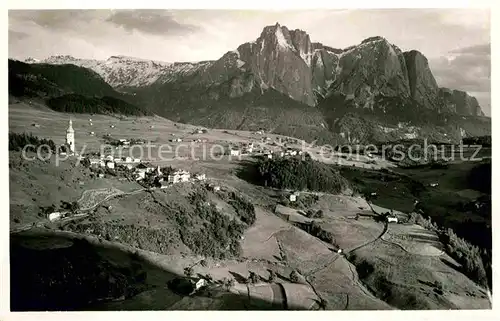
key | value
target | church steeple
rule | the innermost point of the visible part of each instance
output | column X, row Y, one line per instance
column 70, row 136
column 70, row 127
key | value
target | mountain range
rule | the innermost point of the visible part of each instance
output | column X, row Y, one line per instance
column 285, row 83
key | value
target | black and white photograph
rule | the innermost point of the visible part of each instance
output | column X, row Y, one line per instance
column 244, row 159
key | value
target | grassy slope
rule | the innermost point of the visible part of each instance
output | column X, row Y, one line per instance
column 442, row 203
column 38, row 183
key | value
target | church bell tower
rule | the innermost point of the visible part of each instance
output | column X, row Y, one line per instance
column 70, row 137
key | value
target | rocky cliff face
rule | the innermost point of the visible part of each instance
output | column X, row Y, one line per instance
column 288, row 62
column 280, row 59
column 460, row 102
column 423, row 86
column 371, row 69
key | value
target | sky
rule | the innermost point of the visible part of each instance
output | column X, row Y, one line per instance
column 455, row 41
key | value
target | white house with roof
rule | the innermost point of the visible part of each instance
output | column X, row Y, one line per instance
column 54, row 216
column 235, row 152
column 250, row 148
column 199, row 284
column 94, row 161
column 392, row 219
column 139, row 175
column 179, row 176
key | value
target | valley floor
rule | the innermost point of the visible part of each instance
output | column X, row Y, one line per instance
column 381, row 266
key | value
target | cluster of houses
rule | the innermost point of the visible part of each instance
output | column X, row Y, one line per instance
column 250, row 148
column 111, row 162
column 287, row 153
column 142, row 169
column 177, row 176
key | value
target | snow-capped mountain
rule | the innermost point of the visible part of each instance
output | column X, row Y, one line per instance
column 288, row 62
column 124, row 71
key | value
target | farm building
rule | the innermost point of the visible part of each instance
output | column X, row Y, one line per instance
column 291, row 215
column 198, row 284
column 110, row 165
column 214, row 188
column 179, row 176
column 94, row 161
column 293, row 197
column 148, row 168
column 200, row 177
column 392, row 219
column 140, row 174
column 235, row 152
column 54, row 216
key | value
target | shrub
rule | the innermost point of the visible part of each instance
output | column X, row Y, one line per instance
column 315, row 214
column 188, row 271
column 244, row 209
column 294, row 276
column 272, row 276
column 319, row 232
column 253, row 278
column 469, row 256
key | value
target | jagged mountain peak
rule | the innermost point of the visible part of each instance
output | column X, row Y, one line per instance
column 129, row 59
column 373, row 39
column 287, row 61
column 60, row 59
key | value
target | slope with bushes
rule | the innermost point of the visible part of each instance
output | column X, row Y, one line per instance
column 298, row 174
